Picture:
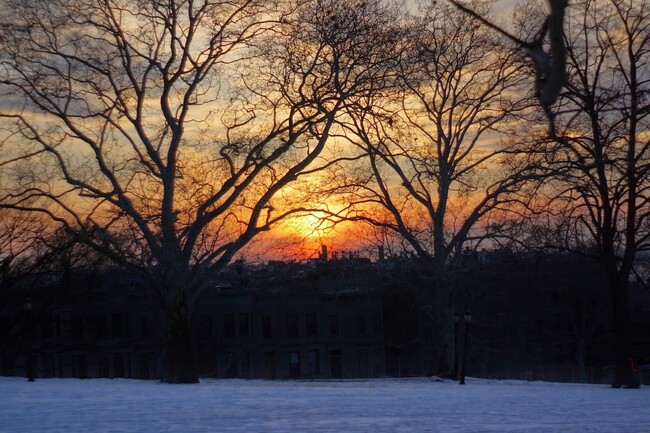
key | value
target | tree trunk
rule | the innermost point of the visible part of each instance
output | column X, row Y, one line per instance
column 580, row 361
column 445, row 327
column 178, row 363
column 623, row 375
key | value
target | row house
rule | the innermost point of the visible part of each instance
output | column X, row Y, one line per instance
column 84, row 334
column 280, row 334
column 298, row 332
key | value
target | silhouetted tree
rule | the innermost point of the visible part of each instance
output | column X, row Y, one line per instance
column 601, row 151
column 435, row 167
column 161, row 133
column 32, row 257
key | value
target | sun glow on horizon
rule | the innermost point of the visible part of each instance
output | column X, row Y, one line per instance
column 303, row 237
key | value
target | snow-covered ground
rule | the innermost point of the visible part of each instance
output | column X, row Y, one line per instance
column 386, row 405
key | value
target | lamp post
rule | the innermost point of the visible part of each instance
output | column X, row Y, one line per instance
column 28, row 306
column 468, row 318
column 456, row 320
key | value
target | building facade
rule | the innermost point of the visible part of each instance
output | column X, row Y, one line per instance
column 544, row 318
column 304, row 334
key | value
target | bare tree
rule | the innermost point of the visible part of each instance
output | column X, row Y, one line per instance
column 436, row 167
column 18, row 252
column 160, row 133
column 32, row 257
column 601, row 151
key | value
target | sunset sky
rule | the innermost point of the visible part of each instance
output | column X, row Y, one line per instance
column 298, row 238
column 302, row 237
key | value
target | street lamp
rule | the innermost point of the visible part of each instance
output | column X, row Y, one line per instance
column 28, row 306
column 456, row 320
column 468, row 318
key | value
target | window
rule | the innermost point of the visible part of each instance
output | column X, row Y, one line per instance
column 101, row 330
column 102, row 366
column 47, row 330
column 80, row 366
column 294, row 364
column 118, row 366
column 427, row 334
column 313, row 362
column 267, row 330
column 145, row 372
column 206, row 327
column 361, row 325
column 364, row 363
column 127, row 325
column 378, row 359
column 268, row 365
column 231, row 365
column 336, row 364
column 229, row 325
column 244, row 328
column 246, row 370
column 49, row 363
column 77, row 327
column 116, row 325
column 334, row 325
column 292, row 325
column 311, row 323
column 376, row 323
column 144, row 327
column 5, row 322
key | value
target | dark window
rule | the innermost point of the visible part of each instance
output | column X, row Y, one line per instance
column 378, row 359
column 144, row 327
column 116, row 325
column 229, row 325
column 292, row 325
column 313, row 362
column 118, row 366
column 145, row 372
column 244, row 328
column 364, row 363
column 49, row 363
column 231, row 365
column 294, row 364
column 47, row 328
column 127, row 325
column 376, row 323
column 361, row 325
column 77, row 327
column 267, row 330
column 101, row 330
column 246, row 364
column 311, row 323
column 268, row 365
column 336, row 364
column 334, row 324
column 539, row 327
column 206, row 327
column 5, row 323
column 80, row 366
column 102, row 366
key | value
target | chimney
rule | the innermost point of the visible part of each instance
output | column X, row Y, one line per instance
column 323, row 254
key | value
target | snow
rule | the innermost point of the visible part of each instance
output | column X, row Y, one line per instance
column 379, row 405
